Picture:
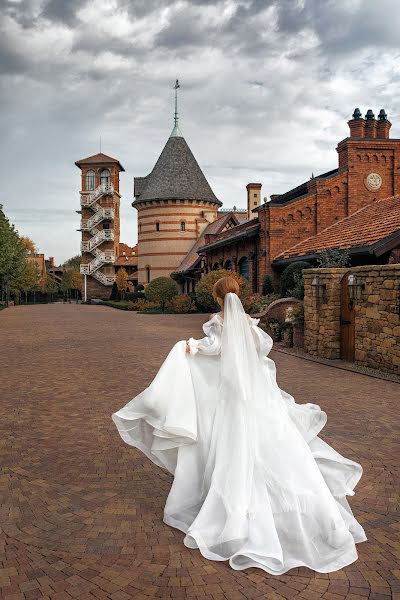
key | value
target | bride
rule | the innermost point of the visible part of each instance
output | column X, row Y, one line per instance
column 253, row 483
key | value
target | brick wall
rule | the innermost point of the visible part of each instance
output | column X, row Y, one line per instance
column 376, row 316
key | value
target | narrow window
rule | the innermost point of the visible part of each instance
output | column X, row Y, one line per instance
column 157, row 226
column 183, row 225
column 90, row 180
column 148, row 274
column 105, row 177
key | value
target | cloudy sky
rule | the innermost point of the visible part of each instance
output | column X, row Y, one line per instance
column 267, row 88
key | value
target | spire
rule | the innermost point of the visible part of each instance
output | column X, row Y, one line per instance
column 176, row 132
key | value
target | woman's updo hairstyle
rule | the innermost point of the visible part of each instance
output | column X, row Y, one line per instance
column 225, row 285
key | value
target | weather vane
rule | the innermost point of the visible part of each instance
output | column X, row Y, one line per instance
column 176, row 86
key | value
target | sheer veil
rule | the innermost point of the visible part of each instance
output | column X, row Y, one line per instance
column 243, row 403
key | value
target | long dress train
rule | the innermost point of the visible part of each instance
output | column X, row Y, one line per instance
column 253, row 482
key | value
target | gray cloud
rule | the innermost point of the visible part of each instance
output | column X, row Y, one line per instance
column 266, row 89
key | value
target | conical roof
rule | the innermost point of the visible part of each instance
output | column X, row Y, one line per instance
column 175, row 176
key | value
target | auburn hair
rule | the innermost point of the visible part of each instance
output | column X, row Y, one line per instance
column 225, row 285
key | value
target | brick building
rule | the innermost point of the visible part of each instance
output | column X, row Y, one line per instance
column 368, row 171
column 102, row 252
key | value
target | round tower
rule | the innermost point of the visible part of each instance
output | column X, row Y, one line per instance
column 174, row 203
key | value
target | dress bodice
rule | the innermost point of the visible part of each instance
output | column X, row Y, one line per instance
column 211, row 344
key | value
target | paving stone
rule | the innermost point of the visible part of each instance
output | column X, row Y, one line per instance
column 81, row 512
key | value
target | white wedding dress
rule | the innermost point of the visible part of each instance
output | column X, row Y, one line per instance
column 253, row 482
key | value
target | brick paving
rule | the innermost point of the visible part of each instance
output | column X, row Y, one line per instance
column 81, row 512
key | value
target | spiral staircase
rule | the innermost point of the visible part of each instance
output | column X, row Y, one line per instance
column 99, row 236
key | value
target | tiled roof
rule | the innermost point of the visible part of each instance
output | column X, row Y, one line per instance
column 192, row 257
column 99, row 158
column 245, row 229
column 176, row 175
column 364, row 228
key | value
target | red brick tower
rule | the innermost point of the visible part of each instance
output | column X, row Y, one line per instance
column 100, row 223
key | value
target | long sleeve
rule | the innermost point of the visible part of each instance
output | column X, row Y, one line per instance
column 211, row 343
column 264, row 342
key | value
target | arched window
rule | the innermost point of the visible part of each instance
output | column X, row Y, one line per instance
column 90, row 180
column 183, row 225
column 157, row 226
column 228, row 265
column 244, row 267
column 105, row 177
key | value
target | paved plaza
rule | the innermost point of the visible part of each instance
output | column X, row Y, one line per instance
column 81, row 512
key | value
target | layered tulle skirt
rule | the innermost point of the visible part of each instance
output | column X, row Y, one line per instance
column 288, row 508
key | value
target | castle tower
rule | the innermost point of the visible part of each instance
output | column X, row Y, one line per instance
column 100, row 223
column 174, row 204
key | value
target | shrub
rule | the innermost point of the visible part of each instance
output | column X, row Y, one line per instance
column 289, row 281
column 142, row 304
column 183, row 304
column 267, row 288
column 297, row 291
column 133, row 296
column 204, row 288
column 161, row 291
column 333, row 257
column 254, row 303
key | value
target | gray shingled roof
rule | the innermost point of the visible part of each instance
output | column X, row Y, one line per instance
column 175, row 176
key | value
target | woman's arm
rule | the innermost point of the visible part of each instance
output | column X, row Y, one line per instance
column 263, row 341
column 210, row 344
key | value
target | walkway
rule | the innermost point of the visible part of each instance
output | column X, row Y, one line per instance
column 81, row 513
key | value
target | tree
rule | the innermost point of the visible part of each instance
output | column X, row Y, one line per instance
column 204, row 288
column 29, row 279
column 50, row 285
column 289, row 279
column 73, row 263
column 334, row 257
column 122, row 281
column 29, row 245
column 267, row 288
column 161, row 290
column 66, row 284
column 12, row 257
column 76, row 281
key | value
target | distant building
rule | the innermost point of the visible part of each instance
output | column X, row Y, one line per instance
column 100, row 224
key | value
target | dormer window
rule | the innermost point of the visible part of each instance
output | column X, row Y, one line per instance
column 90, row 180
column 105, row 177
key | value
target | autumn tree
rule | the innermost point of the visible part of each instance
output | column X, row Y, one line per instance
column 122, row 281
column 12, row 257
column 29, row 280
column 29, row 245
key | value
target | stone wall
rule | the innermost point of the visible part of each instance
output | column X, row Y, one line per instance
column 376, row 316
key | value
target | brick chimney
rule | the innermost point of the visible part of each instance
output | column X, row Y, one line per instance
column 357, row 124
column 383, row 126
column 253, row 198
column 370, row 124
column 51, row 261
